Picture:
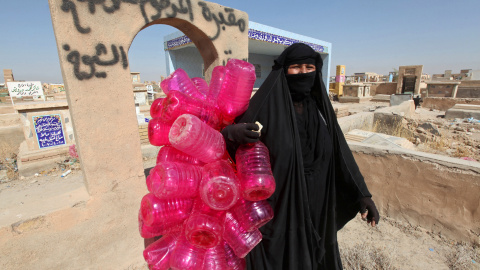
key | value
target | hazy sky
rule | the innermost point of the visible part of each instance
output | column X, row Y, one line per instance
column 368, row 35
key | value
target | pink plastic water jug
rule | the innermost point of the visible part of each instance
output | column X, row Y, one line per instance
column 170, row 153
column 158, row 132
column 161, row 214
column 190, row 135
column 241, row 241
column 215, row 259
column 201, row 85
column 175, row 180
column 236, row 89
column 252, row 215
column 218, row 74
column 179, row 81
column 177, row 103
column 157, row 255
column 233, row 261
column 149, row 232
column 203, row 230
column 156, row 107
column 254, row 171
column 187, row 256
column 152, row 175
column 219, row 188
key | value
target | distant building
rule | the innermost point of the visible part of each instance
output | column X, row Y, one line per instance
column 464, row 75
column 265, row 43
column 8, row 76
column 364, row 77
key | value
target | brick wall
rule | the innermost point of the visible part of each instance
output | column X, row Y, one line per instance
column 383, row 88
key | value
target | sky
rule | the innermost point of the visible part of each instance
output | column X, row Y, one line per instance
column 366, row 36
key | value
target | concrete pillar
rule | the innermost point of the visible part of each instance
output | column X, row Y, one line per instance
column 455, row 89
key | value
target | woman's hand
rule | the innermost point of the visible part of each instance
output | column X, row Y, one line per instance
column 369, row 211
column 241, row 133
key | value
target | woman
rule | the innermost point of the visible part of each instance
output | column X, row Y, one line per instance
column 319, row 187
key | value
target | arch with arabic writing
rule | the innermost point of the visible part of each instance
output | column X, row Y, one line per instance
column 93, row 38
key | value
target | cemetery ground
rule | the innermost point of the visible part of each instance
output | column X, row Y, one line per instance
column 390, row 245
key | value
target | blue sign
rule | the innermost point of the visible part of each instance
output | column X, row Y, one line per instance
column 49, row 130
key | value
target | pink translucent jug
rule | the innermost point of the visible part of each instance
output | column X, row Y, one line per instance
column 218, row 74
column 201, row 85
column 149, row 232
column 190, row 135
column 152, row 175
column 236, row 89
column 175, row 180
column 161, row 214
column 156, row 107
column 254, row 171
column 179, row 81
column 177, row 103
column 252, row 215
column 204, row 230
column 158, row 132
column 219, row 188
column 241, row 241
column 233, row 261
column 187, row 256
column 157, row 255
column 204, row 227
column 215, row 259
column 170, row 153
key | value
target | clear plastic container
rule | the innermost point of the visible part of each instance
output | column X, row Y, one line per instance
column 158, row 213
column 175, row 180
column 201, row 85
column 190, row 135
column 215, row 259
column 233, row 261
column 158, row 132
column 187, row 256
column 218, row 74
column 156, row 107
column 219, row 188
column 254, row 171
column 157, row 255
column 179, row 81
column 177, row 103
column 236, row 89
column 170, row 153
column 252, row 215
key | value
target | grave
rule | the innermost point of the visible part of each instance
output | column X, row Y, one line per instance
column 355, row 93
column 463, row 111
column 48, row 132
column 398, row 99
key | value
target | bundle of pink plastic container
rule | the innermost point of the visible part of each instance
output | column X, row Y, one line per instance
column 208, row 213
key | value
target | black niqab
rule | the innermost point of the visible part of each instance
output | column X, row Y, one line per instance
column 318, row 184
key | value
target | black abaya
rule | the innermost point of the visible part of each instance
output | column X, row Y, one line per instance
column 318, row 184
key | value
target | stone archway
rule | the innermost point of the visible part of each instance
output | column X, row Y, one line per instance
column 93, row 37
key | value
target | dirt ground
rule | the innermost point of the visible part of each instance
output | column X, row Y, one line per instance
column 396, row 245
column 392, row 244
